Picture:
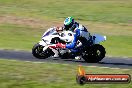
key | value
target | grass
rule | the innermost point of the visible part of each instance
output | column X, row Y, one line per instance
column 18, row 37
column 111, row 11
column 19, row 74
column 119, row 46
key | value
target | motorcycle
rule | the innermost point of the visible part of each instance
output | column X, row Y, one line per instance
column 92, row 52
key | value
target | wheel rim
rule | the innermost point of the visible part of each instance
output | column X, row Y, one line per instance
column 94, row 54
column 39, row 50
column 98, row 53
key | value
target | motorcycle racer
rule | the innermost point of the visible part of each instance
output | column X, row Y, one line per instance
column 80, row 33
column 72, row 42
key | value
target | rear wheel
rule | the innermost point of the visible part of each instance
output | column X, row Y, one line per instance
column 38, row 52
column 94, row 54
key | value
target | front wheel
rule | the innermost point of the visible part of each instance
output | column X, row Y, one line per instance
column 94, row 54
column 38, row 52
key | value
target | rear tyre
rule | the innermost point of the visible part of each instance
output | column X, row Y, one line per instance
column 38, row 52
column 94, row 54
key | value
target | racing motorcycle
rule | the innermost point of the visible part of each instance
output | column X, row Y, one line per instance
column 92, row 52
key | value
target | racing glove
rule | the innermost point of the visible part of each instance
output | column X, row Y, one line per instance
column 59, row 29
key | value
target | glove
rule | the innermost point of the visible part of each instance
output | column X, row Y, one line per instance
column 59, row 29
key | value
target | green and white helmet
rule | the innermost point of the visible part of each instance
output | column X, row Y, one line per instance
column 68, row 23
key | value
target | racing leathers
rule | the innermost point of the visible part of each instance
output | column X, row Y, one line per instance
column 81, row 37
column 80, row 34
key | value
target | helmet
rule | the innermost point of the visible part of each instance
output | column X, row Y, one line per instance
column 68, row 23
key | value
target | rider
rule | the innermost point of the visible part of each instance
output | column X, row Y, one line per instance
column 81, row 34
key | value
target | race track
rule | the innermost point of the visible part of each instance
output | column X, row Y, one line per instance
column 111, row 62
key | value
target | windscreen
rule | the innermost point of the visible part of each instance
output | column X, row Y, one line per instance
column 48, row 32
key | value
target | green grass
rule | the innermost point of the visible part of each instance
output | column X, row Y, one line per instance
column 111, row 11
column 18, row 37
column 119, row 46
column 19, row 74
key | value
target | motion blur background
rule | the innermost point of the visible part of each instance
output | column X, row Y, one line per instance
column 22, row 23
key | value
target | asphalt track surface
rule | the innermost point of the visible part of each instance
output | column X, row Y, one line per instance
column 112, row 62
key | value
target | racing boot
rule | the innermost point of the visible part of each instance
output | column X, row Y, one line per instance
column 76, row 55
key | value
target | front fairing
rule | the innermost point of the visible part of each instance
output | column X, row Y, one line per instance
column 48, row 35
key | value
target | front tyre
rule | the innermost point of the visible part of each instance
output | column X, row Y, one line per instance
column 94, row 54
column 38, row 52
